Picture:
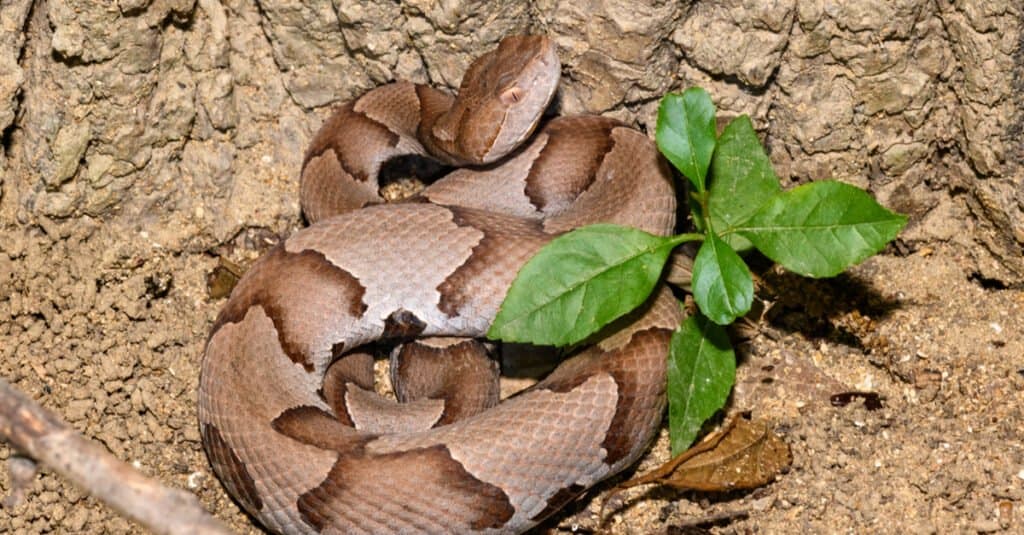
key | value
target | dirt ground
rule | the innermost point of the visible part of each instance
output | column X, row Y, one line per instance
column 945, row 453
column 142, row 142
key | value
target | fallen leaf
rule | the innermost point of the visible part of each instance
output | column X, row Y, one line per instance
column 223, row 278
column 746, row 454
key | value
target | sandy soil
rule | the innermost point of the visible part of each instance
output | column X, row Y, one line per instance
column 115, row 340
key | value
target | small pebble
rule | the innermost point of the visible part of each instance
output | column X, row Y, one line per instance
column 762, row 504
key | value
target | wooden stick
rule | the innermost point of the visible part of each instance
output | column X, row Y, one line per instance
column 44, row 437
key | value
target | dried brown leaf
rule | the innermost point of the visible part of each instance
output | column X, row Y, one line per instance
column 223, row 278
column 746, row 454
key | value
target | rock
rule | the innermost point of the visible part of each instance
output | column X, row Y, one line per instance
column 757, row 34
column 68, row 149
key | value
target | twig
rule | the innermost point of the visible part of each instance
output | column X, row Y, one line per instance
column 715, row 518
column 44, row 437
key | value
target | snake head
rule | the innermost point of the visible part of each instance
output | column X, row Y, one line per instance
column 501, row 99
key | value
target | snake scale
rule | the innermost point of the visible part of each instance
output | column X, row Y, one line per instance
column 288, row 414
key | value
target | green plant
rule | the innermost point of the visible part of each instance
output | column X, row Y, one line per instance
column 587, row 278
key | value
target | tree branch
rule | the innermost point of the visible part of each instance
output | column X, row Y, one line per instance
column 44, row 437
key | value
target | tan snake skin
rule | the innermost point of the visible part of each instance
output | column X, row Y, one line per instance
column 287, row 411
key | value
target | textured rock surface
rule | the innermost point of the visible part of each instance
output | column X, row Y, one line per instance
column 140, row 139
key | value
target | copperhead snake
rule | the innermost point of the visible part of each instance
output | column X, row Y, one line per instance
column 288, row 415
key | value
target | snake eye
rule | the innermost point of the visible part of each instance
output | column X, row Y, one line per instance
column 511, row 95
column 505, row 79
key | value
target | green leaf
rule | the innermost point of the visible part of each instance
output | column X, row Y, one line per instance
column 820, row 229
column 580, row 282
column 686, row 132
column 722, row 285
column 701, row 371
column 742, row 180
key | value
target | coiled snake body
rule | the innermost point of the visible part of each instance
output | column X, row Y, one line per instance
column 287, row 411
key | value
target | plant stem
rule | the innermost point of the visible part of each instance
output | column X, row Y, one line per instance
column 685, row 237
column 704, row 212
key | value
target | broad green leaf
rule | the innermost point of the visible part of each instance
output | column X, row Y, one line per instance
column 580, row 282
column 686, row 132
column 701, row 371
column 722, row 286
column 820, row 229
column 742, row 179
